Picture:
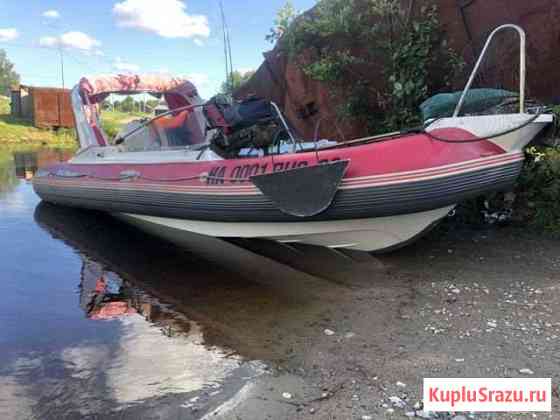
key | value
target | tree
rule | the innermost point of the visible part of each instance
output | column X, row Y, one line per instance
column 128, row 104
column 8, row 76
column 106, row 105
column 238, row 79
column 284, row 18
column 151, row 104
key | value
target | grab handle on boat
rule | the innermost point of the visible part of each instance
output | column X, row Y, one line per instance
column 522, row 66
column 292, row 138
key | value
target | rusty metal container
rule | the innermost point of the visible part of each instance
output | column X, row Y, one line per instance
column 45, row 107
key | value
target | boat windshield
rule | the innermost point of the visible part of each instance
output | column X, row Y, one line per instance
column 170, row 131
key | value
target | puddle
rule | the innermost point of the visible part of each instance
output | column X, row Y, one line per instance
column 98, row 317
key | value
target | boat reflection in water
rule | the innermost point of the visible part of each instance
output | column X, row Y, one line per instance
column 26, row 164
column 154, row 371
column 236, row 294
column 103, row 294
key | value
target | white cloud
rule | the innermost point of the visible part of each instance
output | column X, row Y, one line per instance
column 8, row 34
column 73, row 39
column 200, row 80
column 245, row 70
column 79, row 40
column 51, row 14
column 198, row 42
column 206, row 87
column 167, row 18
column 48, row 41
column 121, row 65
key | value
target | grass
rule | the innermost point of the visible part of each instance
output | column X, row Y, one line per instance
column 113, row 121
column 16, row 132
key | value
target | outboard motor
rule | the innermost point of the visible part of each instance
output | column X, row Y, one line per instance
column 238, row 125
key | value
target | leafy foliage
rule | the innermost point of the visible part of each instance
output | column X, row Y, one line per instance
column 8, row 75
column 536, row 196
column 327, row 69
column 413, row 55
column 284, row 18
column 237, row 80
column 128, row 104
column 343, row 42
column 539, row 187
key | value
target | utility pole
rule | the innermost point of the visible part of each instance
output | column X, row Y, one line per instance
column 227, row 47
column 61, row 64
column 59, row 100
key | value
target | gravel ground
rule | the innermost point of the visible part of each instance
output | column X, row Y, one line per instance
column 456, row 304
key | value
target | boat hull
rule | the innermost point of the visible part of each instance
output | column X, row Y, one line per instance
column 390, row 192
column 362, row 198
column 373, row 235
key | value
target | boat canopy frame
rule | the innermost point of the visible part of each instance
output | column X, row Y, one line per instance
column 86, row 96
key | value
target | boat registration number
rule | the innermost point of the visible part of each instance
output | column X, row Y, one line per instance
column 220, row 175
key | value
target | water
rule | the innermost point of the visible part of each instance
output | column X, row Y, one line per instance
column 99, row 320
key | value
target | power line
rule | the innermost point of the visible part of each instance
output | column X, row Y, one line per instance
column 227, row 46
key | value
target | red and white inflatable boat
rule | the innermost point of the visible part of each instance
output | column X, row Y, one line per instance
column 176, row 174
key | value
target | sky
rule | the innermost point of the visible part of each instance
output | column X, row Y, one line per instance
column 178, row 37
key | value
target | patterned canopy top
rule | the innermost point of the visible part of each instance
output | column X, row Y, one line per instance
column 99, row 87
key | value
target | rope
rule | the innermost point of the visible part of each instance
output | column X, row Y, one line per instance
column 146, row 178
column 423, row 130
column 475, row 140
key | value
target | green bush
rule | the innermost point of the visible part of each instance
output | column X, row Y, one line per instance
column 342, row 41
column 538, row 191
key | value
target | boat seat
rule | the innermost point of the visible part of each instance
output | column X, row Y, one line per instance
column 176, row 130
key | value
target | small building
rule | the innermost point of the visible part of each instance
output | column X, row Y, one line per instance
column 161, row 108
column 45, row 107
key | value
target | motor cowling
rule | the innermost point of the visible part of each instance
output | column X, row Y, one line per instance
column 238, row 125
